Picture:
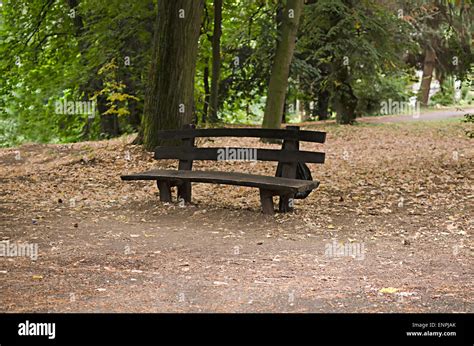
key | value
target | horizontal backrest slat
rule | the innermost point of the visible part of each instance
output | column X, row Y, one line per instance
column 238, row 154
column 307, row 136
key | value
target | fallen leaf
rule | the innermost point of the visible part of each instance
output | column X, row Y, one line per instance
column 389, row 290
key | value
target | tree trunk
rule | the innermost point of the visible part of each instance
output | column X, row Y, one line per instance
column 345, row 104
column 169, row 97
column 216, row 60
column 428, row 67
column 321, row 108
column 303, row 106
column 307, row 110
column 206, row 93
column 281, row 64
column 109, row 125
column 343, row 99
column 94, row 83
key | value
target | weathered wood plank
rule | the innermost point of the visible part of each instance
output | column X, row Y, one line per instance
column 288, row 134
column 266, row 199
column 185, row 189
column 288, row 171
column 281, row 186
column 193, row 153
column 165, row 191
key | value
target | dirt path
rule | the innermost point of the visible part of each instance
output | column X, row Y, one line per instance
column 423, row 116
column 398, row 198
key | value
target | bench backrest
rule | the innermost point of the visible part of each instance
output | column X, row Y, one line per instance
column 287, row 157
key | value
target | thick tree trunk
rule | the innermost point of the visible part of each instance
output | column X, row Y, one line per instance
column 281, row 64
column 169, row 97
column 216, row 60
column 428, row 67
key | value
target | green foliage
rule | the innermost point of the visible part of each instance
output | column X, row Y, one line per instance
column 247, row 48
column 113, row 90
column 445, row 97
column 362, row 37
column 51, row 52
column 32, row 72
column 361, row 52
column 371, row 92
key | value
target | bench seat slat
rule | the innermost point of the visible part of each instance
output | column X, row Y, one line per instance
column 193, row 153
column 287, row 134
column 228, row 178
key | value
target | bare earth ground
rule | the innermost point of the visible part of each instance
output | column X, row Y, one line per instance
column 402, row 191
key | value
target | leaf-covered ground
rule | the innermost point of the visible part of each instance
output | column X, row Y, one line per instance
column 397, row 197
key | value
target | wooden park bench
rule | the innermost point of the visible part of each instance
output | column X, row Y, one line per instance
column 285, row 185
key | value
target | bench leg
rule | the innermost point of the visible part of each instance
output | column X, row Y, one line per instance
column 165, row 191
column 286, row 203
column 266, row 199
column 184, row 192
